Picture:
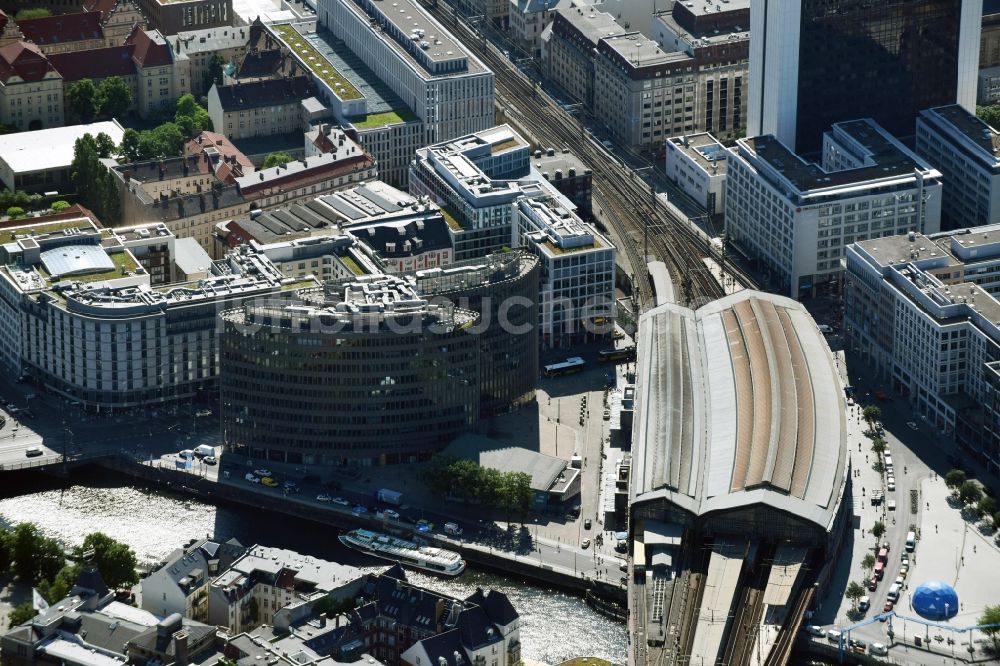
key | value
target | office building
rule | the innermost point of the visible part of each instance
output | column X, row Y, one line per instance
column 967, row 152
column 366, row 372
column 173, row 16
column 201, row 47
column 93, row 291
column 697, row 164
column 503, row 288
column 922, row 312
column 988, row 87
column 815, row 63
column 443, row 84
column 794, row 218
column 568, row 175
column 989, row 42
column 577, row 291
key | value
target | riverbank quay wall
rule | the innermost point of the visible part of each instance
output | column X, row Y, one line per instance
column 525, row 565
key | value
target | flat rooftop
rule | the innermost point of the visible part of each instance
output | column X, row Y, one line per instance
column 641, row 51
column 311, row 573
column 52, row 148
column 704, row 149
column 544, row 470
column 970, row 127
column 592, row 23
column 888, row 158
column 382, row 105
column 372, row 201
column 563, row 161
column 707, row 7
column 739, row 403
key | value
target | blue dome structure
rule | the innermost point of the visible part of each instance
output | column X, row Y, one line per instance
column 935, row 600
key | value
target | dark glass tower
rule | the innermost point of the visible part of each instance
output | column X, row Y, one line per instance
column 826, row 61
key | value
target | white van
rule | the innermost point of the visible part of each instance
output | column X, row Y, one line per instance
column 911, row 541
column 204, row 450
column 893, row 594
column 186, row 454
column 878, row 649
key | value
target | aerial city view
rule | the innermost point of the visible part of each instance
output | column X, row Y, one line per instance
column 293, row 294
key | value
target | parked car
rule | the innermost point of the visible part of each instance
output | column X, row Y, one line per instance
column 210, row 460
column 341, row 501
column 269, row 482
column 33, row 451
column 903, row 570
column 878, row 649
column 587, row 524
column 322, row 497
column 887, row 607
column 291, row 487
column 252, row 478
column 833, row 636
column 911, row 425
column 585, row 544
column 858, row 645
column 813, row 630
column 424, row 526
column 389, row 513
column 864, row 604
column 890, row 484
column 360, row 509
column 262, row 472
column 872, row 584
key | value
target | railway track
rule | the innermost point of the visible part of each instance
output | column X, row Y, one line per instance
column 742, row 630
column 627, row 202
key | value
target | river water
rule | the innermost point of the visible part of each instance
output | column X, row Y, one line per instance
column 554, row 626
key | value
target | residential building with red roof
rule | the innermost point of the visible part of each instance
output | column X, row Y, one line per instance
column 215, row 145
column 31, row 90
column 64, row 33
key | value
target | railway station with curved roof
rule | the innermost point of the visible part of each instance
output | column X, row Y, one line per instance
column 740, row 424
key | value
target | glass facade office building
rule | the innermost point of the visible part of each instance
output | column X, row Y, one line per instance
column 814, row 63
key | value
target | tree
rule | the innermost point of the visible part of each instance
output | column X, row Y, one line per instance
column 277, row 159
column 987, row 506
column 15, row 212
column 82, row 100
column 105, row 145
column 214, row 75
column 59, row 205
column 996, row 521
column 868, row 562
column 168, row 140
column 61, row 585
column 115, row 97
column 970, row 493
column 33, row 13
column 190, row 116
column 22, row 613
column 878, row 446
column 93, row 181
column 35, row 556
column 129, row 148
column 878, row 529
column 989, row 114
column 954, row 478
column 854, row 592
column 991, row 615
column 871, row 414
column 115, row 560
column 6, row 550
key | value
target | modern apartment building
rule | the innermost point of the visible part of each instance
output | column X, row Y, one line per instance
column 923, row 312
column 577, row 282
column 794, row 218
column 967, row 152
column 366, row 372
column 441, row 82
column 31, row 90
column 820, row 62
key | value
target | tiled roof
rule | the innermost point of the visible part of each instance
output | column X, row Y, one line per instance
column 218, row 141
column 151, row 49
column 98, row 63
column 257, row 64
column 24, row 60
column 103, row 6
column 62, row 28
column 264, row 93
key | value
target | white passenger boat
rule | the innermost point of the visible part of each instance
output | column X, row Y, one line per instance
column 407, row 553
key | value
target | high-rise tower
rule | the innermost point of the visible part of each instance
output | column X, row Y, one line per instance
column 814, row 63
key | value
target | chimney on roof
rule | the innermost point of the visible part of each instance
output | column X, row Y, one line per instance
column 181, row 648
column 322, row 619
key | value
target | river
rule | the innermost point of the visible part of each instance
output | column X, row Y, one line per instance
column 554, row 625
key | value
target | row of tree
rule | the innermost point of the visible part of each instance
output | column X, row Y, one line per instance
column 469, row 482
column 971, row 495
column 41, row 562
